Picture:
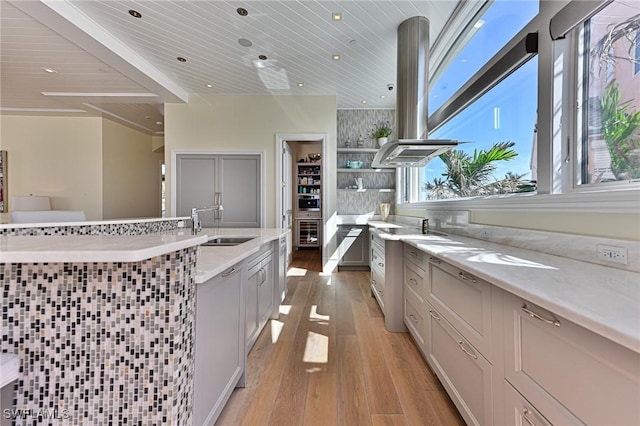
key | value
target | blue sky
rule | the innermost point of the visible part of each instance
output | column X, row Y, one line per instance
column 508, row 111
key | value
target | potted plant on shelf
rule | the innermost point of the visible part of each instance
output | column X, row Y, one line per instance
column 382, row 132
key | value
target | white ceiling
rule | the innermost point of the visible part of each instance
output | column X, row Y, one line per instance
column 98, row 48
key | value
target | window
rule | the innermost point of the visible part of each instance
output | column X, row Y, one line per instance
column 502, row 125
column 490, row 32
column 610, row 140
column 499, row 124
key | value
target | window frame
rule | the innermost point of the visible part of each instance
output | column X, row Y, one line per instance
column 557, row 177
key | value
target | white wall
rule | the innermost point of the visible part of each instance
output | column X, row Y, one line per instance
column 247, row 122
column 131, row 173
column 60, row 157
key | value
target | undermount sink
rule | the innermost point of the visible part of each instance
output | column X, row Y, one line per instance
column 227, row 241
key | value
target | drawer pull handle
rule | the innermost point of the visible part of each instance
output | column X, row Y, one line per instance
column 435, row 260
column 381, row 264
column 527, row 415
column 373, row 282
column 413, row 253
column 436, row 317
column 375, row 257
column 411, row 280
column 467, row 277
column 229, row 272
column 381, row 293
column 471, row 354
column 538, row 317
column 413, row 318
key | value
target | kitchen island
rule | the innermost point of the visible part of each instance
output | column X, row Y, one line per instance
column 104, row 325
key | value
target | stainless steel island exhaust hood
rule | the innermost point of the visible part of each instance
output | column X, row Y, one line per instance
column 412, row 149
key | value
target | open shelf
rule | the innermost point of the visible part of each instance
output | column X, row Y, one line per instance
column 367, row 190
column 361, row 150
column 366, row 170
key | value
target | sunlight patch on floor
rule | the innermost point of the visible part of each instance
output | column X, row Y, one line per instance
column 276, row 329
column 285, row 309
column 316, row 349
column 296, row 272
column 315, row 316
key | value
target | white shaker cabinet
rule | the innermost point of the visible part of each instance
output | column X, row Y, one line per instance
column 386, row 280
column 260, row 298
column 218, row 367
column 234, row 181
column 353, row 246
column 568, row 373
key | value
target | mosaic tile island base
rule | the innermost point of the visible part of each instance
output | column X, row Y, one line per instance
column 102, row 342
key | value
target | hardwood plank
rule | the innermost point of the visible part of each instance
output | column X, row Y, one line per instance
column 296, row 307
column 417, row 387
column 381, row 392
column 353, row 408
column 388, row 420
column 321, row 403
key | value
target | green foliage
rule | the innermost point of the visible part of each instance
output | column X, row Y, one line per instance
column 472, row 175
column 382, row 130
column 619, row 130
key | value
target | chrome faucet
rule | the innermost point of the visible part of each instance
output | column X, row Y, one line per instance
column 196, row 225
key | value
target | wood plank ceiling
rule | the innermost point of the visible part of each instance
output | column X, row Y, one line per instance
column 299, row 39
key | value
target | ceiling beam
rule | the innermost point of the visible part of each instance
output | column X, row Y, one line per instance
column 72, row 24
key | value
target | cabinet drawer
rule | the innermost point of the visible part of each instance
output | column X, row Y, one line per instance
column 463, row 371
column 519, row 411
column 377, row 258
column 414, row 279
column 375, row 239
column 377, row 285
column 551, row 359
column 464, row 300
column 415, row 255
column 413, row 318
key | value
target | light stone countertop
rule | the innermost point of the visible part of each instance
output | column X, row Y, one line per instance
column 602, row 299
column 214, row 260
column 92, row 222
column 134, row 248
column 93, row 248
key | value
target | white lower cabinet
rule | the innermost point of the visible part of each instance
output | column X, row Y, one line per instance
column 462, row 370
column 504, row 360
column 260, row 299
column 518, row 411
column 218, row 367
column 561, row 367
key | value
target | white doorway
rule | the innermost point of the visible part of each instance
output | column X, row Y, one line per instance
column 286, row 202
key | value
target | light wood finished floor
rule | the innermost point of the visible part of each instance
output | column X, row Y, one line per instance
column 328, row 361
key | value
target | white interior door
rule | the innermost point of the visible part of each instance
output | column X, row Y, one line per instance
column 287, row 188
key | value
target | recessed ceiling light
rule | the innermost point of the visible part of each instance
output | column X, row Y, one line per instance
column 244, row 42
column 242, row 11
column 49, row 70
column 300, row 84
column 382, row 96
column 335, row 57
column 209, row 86
column 159, row 123
column 135, row 13
column 336, row 16
column 364, row 101
column 181, row 59
column 262, row 57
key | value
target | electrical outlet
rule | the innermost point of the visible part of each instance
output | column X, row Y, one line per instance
column 486, row 234
column 612, row 254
